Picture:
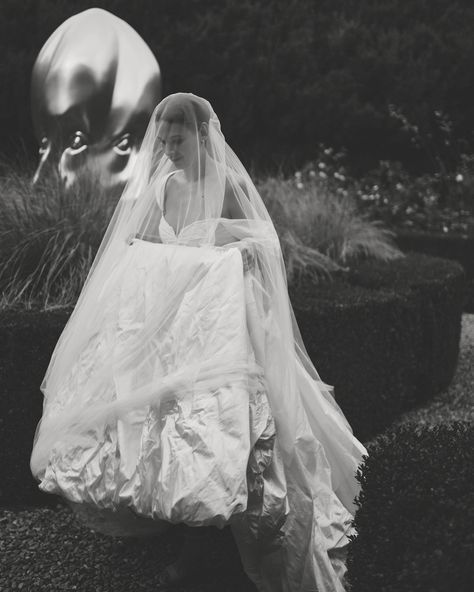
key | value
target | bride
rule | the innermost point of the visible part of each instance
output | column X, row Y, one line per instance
column 180, row 391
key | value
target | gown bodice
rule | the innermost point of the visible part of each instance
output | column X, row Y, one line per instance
column 198, row 232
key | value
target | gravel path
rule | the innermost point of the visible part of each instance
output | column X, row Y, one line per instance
column 47, row 550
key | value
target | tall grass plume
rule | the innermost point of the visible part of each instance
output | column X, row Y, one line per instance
column 48, row 237
column 322, row 231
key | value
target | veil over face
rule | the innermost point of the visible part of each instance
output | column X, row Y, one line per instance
column 188, row 185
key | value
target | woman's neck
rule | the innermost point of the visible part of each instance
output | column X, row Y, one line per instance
column 197, row 170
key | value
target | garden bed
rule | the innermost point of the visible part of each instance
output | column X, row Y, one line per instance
column 386, row 335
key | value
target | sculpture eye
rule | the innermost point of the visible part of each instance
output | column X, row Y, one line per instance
column 124, row 145
column 78, row 143
column 44, row 146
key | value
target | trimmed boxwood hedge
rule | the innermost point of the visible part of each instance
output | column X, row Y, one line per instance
column 27, row 342
column 455, row 247
column 386, row 335
column 416, row 512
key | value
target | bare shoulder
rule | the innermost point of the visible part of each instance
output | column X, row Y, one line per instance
column 173, row 185
column 175, row 181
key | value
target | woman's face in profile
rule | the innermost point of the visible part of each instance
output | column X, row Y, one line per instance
column 179, row 143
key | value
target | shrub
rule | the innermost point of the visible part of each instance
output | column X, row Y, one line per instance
column 455, row 247
column 28, row 340
column 438, row 202
column 386, row 335
column 416, row 511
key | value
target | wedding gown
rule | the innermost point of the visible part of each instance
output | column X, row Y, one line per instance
column 180, row 390
column 210, row 459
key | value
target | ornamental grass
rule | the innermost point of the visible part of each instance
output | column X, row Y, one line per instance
column 49, row 235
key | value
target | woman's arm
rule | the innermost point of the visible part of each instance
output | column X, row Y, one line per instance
column 233, row 210
column 232, row 207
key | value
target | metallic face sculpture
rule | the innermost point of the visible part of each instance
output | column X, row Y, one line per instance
column 94, row 86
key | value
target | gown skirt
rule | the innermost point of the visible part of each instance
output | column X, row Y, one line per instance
column 203, row 457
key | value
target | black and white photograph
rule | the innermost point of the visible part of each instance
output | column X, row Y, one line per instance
column 237, row 296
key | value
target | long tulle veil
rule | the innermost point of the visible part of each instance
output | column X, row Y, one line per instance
column 219, row 209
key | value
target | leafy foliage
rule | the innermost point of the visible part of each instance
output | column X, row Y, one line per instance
column 440, row 202
column 297, row 72
column 416, row 512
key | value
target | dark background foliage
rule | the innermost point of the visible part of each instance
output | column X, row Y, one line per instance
column 284, row 75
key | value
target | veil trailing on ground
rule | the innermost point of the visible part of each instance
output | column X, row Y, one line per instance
column 188, row 185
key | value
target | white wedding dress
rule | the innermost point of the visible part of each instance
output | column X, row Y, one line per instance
column 202, row 459
column 191, row 459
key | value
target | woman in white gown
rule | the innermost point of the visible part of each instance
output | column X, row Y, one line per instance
column 180, row 389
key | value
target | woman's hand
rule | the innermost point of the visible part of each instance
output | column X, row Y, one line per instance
column 248, row 258
column 144, row 237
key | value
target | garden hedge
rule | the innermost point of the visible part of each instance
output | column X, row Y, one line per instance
column 26, row 344
column 456, row 247
column 386, row 335
column 416, row 512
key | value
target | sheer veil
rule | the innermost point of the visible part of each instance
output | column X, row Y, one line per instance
column 212, row 204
